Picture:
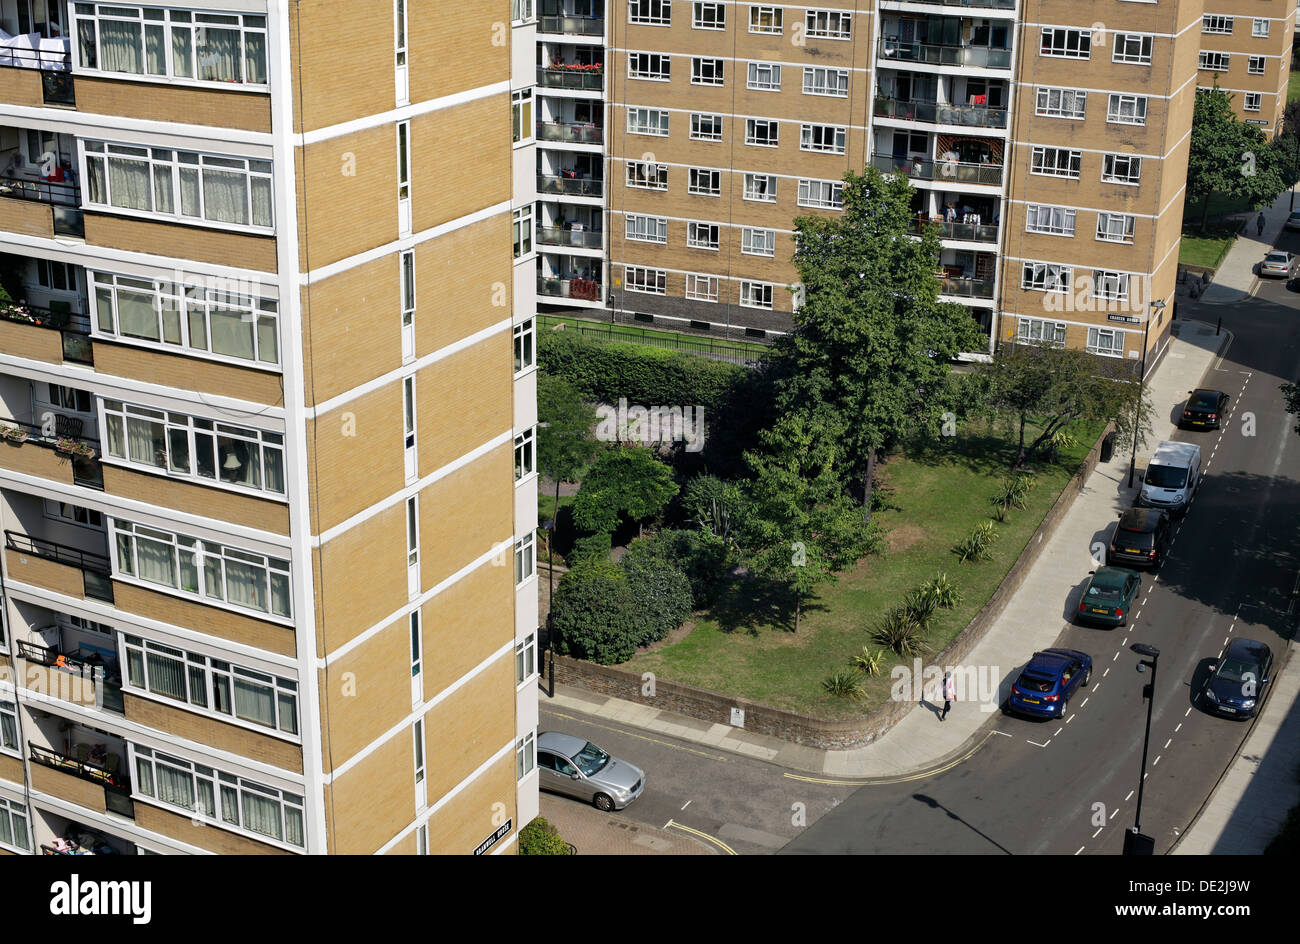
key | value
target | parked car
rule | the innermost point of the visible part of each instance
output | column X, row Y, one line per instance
column 1045, row 685
column 1204, row 409
column 1236, row 683
column 576, row 767
column 1141, row 538
column 1171, row 477
column 1277, row 265
column 1293, row 221
column 1108, row 598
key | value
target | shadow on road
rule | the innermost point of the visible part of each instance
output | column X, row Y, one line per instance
column 936, row 805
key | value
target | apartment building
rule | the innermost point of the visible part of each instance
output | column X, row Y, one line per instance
column 267, row 402
column 1045, row 139
column 1246, row 51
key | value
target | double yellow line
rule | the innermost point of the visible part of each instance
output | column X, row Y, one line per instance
column 883, row 781
column 673, row 824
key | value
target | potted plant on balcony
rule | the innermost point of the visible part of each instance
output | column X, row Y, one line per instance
column 74, row 447
column 15, row 434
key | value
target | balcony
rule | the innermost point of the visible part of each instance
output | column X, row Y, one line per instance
column 970, row 4
column 59, row 561
column 577, row 78
column 943, row 171
column 570, row 186
column 577, row 238
column 934, row 54
column 570, row 132
column 64, row 342
column 84, row 678
column 62, row 197
column 587, row 290
column 965, row 287
column 970, row 232
column 571, row 25
column 975, row 116
column 46, row 57
column 86, row 777
column 62, row 456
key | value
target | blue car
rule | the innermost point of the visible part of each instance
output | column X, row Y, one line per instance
column 1045, row 685
column 1235, row 687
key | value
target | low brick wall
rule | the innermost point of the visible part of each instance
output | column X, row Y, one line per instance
column 824, row 733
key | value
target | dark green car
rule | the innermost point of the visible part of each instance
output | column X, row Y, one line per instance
column 1109, row 596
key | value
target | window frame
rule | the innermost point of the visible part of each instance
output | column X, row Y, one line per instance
column 830, row 194
column 715, row 76
column 1069, row 216
column 645, row 175
column 754, row 76
column 653, row 12
column 811, row 85
column 759, row 295
column 773, row 125
column 645, row 228
column 710, row 293
column 1027, row 327
column 525, row 346
column 1048, row 277
column 775, row 16
column 1039, row 164
column 713, row 240
column 813, row 15
column 808, row 132
column 719, row 11
column 1120, row 52
column 751, row 193
column 1048, row 46
column 1110, row 164
column 1042, row 93
column 644, row 276
column 1093, row 346
column 649, row 66
column 758, row 241
column 693, row 175
column 1130, row 227
column 1115, row 102
column 646, row 111
column 697, row 125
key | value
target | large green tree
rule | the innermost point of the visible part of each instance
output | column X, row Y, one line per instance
column 622, row 481
column 871, row 342
column 564, row 443
column 1231, row 157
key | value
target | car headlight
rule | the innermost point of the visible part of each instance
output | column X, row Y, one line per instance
column 1248, row 703
column 1209, row 693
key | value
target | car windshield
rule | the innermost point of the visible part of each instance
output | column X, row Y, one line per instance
column 1035, row 683
column 1204, row 401
column 591, row 759
column 1164, row 476
column 1144, row 540
column 1275, row 257
column 1234, row 670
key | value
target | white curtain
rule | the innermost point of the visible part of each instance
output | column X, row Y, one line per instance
column 146, row 441
column 119, row 49
column 166, row 675
column 254, row 701
column 262, row 814
column 239, row 462
column 128, row 183
column 155, row 50
column 225, row 196
column 255, row 58
column 96, row 184
column 175, row 786
column 246, row 586
column 232, row 333
column 190, row 192
column 279, row 594
column 157, row 561
column 261, row 201
column 268, row 345
column 218, row 54
column 182, row 52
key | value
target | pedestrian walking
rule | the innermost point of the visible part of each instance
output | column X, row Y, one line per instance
column 949, row 694
column 1259, row 224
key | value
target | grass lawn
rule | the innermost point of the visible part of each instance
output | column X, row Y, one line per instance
column 1293, row 87
column 688, row 343
column 1208, row 250
column 746, row 646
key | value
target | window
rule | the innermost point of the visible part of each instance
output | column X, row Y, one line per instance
column 755, row 295
column 180, row 44
column 1054, row 220
column 1107, row 341
column 422, row 839
column 1216, row 24
column 73, row 514
column 525, row 756
column 222, row 798
column 524, row 558
column 205, row 320
column 704, row 181
column 1132, row 47
column 653, row 121
column 646, row 176
column 213, row 685
column 13, row 824
column 828, row 24
column 706, row 71
column 706, row 127
column 8, row 728
column 521, row 11
column 184, row 446
column 1253, row 101
column 1255, row 65
column 819, row 81
column 710, row 16
column 1115, row 227
column 1055, row 162
column 1060, row 102
column 525, row 345
column 758, row 242
column 650, row 281
column 211, row 572
column 764, row 76
column 647, row 229
column 1214, row 61
column 1109, row 285
column 56, row 276
column 1126, row 109
column 650, row 12
column 826, row 194
column 765, row 19
column 762, row 132
column 760, row 187
column 521, row 115
column 702, row 288
column 1259, row 27
column 525, row 659
column 1046, row 277
column 1039, row 331
column 702, row 235
column 1065, row 43
column 417, row 646
column 523, row 230
column 1121, row 169
column 524, row 464
column 67, row 398
column 417, row 745
column 180, row 185
column 828, row 138
column 648, row 65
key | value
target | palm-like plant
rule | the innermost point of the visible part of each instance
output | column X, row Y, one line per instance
column 945, row 592
column 844, row 683
column 900, row 632
column 920, row 607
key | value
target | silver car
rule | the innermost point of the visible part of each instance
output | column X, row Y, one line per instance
column 576, row 767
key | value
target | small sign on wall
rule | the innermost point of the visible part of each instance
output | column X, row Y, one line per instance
column 737, row 717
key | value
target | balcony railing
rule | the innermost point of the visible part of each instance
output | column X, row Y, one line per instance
column 966, row 288
column 95, row 568
column 76, row 344
column 65, row 440
column 946, row 171
column 572, row 25
column 108, row 692
column 57, row 192
column 569, row 77
column 979, row 57
column 978, row 4
column 979, row 116
column 117, row 786
column 582, row 289
column 570, row 186
column 579, row 238
column 970, row 232
column 569, row 132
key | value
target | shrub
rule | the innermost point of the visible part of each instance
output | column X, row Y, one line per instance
column 870, row 661
column 946, row 593
column 541, row 838
column 976, row 547
column 844, row 683
column 592, row 547
column 920, row 607
column 662, row 594
column 594, row 614
column 900, row 632
column 700, row 556
column 1014, row 491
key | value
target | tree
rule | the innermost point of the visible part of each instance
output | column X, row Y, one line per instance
column 622, row 481
column 699, row 555
column 595, row 614
column 1230, row 157
column 802, row 528
column 662, row 592
column 1051, row 387
column 871, row 341
column 564, row 443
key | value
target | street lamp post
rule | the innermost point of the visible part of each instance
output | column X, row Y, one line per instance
column 1134, row 842
column 1142, row 379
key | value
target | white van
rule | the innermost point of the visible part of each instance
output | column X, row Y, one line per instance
column 1171, row 477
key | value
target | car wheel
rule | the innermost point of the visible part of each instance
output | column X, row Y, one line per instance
column 1065, row 706
column 1087, row 677
column 603, row 802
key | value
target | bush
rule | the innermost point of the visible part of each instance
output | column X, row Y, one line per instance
column 844, row 683
column 946, row 593
column 662, row 593
column 592, row 547
column 870, row 661
column 976, row 547
column 700, row 556
column 900, row 632
column 920, row 607
column 595, row 615
column 541, row 838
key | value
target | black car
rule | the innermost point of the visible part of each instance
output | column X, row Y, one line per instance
column 1140, row 539
column 1204, row 409
column 1236, row 683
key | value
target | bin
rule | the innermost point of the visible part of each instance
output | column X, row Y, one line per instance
column 1108, row 447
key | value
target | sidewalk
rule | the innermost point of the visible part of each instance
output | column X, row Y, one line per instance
column 919, row 741
column 1235, row 279
column 592, row 832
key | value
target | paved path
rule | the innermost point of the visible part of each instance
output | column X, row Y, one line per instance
column 595, row 833
column 1235, row 278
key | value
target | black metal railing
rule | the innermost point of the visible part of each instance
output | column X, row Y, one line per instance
column 570, row 186
column 980, row 57
column 95, row 568
column 970, row 232
column 568, row 77
column 966, row 287
column 573, row 25
column 924, row 168
column 579, row 238
column 979, row 116
column 47, row 60
column 117, row 787
column 34, row 315
column 66, row 436
column 569, row 132
column 57, row 192
column 108, row 692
